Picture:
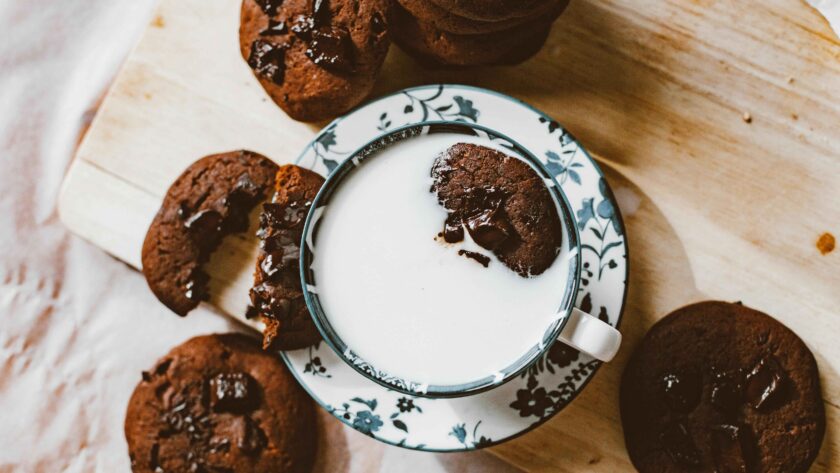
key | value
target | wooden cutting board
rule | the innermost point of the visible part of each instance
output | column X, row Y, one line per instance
column 717, row 122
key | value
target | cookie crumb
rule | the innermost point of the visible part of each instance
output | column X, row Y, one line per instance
column 158, row 22
column 795, row 116
column 826, row 243
column 790, row 80
column 747, row 117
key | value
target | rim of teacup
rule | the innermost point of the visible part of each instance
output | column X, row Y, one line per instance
column 398, row 383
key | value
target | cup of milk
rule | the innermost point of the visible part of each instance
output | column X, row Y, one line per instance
column 403, row 308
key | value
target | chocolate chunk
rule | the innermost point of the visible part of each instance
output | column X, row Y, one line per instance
column 727, row 389
column 765, row 384
column 453, row 229
column 489, row 228
column 679, row 445
column 729, row 449
column 302, row 27
column 682, row 391
column 196, row 287
column 245, row 189
column 275, row 28
column 154, row 455
column 279, row 258
column 268, row 60
column 233, row 392
column 377, row 23
column 321, row 12
column 252, row 438
column 269, row 7
column 204, row 222
column 482, row 259
column 332, row 49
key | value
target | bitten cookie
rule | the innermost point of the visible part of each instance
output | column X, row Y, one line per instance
column 315, row 58
column 434, row 47
column 449, row 22
column 218, row 403
column 491, row 10
column 277, row 295
column 721, row 387
column 210, row 200
column 503, row 204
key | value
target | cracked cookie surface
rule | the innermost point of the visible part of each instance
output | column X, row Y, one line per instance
column 218, row 403
column 717, row 386
column 208, row 201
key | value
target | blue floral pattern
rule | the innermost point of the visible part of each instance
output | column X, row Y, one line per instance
column 548, row 385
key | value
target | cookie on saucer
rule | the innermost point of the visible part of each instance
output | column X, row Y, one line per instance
column 211, row 199
column 316, row 58
column 277, row 296
column 716, row 386
column 219, row 403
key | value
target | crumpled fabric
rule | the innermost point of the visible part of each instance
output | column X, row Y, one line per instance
column 77, row 326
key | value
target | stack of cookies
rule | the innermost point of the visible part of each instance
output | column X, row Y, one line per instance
column 473, row 32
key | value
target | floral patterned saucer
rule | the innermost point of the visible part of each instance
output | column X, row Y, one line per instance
column 545, row 388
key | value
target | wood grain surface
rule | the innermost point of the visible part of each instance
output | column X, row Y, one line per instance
column 717, row 123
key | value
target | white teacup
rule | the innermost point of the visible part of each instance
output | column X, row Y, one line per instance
column 403, row 309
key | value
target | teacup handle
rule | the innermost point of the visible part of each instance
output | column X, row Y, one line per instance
column 590, row 335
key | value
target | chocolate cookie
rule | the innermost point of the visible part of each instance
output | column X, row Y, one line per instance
column 434, row 47
column 503, row 204
column 449, row 22
column 721, row 387
column 491, row 10
column 218, row 403
column 315, row 58
column 210, row 200
column 277, row 295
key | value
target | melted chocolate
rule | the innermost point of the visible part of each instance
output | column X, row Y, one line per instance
column 268, row 60
column 727, row 389
column 679, row 445
column 204, row 223
column 682, row 391
column 283, row 216
column 730, row 449
column 281, row 229
column 233, row 392
column 269, row 7
column 764, row 385
column 267, row 299
column 453, row 230
column 490, row 228
column 331, row 48
column 484, row 216
column 482, row 259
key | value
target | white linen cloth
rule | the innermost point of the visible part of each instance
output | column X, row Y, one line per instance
column 77, row 326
